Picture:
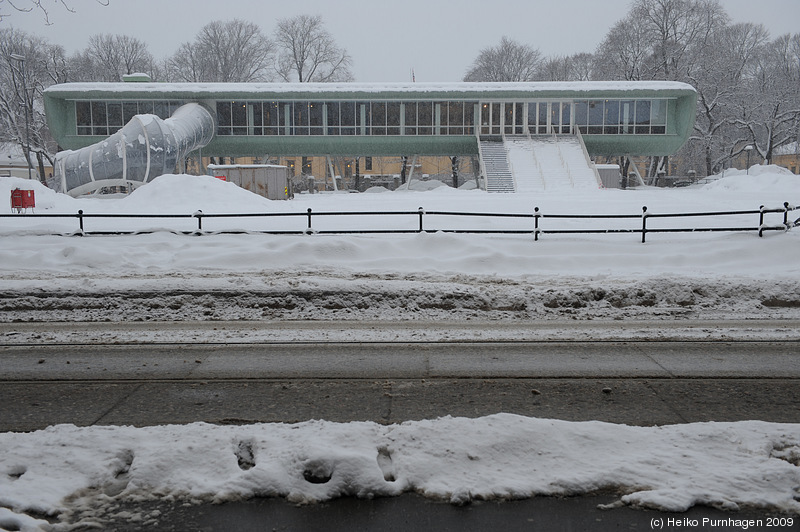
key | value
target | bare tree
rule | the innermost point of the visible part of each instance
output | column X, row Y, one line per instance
column 556, row 68
column 624, row 52
column 675, row 27
column 307, row 52
column 576, row 67
column 718, row 75
column 769, row 109
column 233, row 51
column 27, row 6
column 508, row 61
column 582, row 67
column 110, row 57
column 188, row 65
column 21, row 84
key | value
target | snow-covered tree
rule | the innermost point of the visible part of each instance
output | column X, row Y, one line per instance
column 21, row 86
column 508, row 61
column 769, row 107
column 307, row 52
column 719, row 74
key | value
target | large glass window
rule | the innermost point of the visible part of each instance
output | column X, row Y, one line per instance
column 83, row 116
column 378, row 118
column 611, row 117
column 532, row 117
column 658, row 117
column 301, row 118
column 642, row 117
column 114, row 114
column 393, row 118
column 99, row 119
column 332, row 115
column 491, row 118
column 129, row 110
column 542, row 118
column 626, row 111
column 453, row 118
column 347, row 118
column 315, row 114
column 239, row 118
column 508, row 118
column 582, row 115
column 425, row 118
column 224, row 122
column 255, row 114
column 595, row 117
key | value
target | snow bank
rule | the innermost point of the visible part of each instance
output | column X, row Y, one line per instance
column 758, row 179
column 503, row 456
column 402, row 276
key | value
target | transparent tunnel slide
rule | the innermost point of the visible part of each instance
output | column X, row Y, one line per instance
column 145, row 148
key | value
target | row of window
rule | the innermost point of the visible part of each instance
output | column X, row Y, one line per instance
column 105, row 118
column 593, row 117
column 345, row 118
column 337, row 118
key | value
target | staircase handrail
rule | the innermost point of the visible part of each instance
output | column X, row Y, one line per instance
column 509, row 164
column 536, row 160
column 563, row 162
column 483, row 163
column 586, row 156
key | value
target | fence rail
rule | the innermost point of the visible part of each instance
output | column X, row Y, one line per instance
column 536, row 216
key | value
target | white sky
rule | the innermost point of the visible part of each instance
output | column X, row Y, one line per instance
column 437, row 38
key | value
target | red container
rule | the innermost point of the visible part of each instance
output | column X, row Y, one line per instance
column 22, row 199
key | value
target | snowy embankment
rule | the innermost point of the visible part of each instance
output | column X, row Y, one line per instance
column 73, row 473
column 168, row 276
column 78, row 471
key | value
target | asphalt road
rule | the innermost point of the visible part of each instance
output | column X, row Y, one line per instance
column 640, row 374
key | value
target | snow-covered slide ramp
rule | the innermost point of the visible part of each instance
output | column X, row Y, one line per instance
column 549, row 163
column 145, row 148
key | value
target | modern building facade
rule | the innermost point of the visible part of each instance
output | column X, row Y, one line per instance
column 358, row 120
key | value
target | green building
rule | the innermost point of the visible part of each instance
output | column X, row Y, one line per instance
column 128, row 133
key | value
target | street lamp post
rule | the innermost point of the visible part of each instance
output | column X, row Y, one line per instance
column 748, row 149
column 21, row 59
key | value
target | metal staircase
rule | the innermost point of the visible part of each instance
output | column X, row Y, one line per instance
column 494, row 160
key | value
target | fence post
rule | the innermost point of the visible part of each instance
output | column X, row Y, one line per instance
column 199, row 215
column 786, row 215
column 644, row 222
column 761, row 220
column 80, row 220
column 536, row 216
column 421, row 213
column 308, row 229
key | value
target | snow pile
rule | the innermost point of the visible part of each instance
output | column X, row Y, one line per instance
column 400, row 276
column 759, row 178
column 422, row 185
column 503, row 456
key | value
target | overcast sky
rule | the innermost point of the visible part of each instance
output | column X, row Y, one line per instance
column 437, row 38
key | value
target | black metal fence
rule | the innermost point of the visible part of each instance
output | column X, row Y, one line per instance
column 538, row 222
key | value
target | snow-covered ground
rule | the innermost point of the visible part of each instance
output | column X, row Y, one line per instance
column 401, row 276
column 503, row 456
column 169, row 276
